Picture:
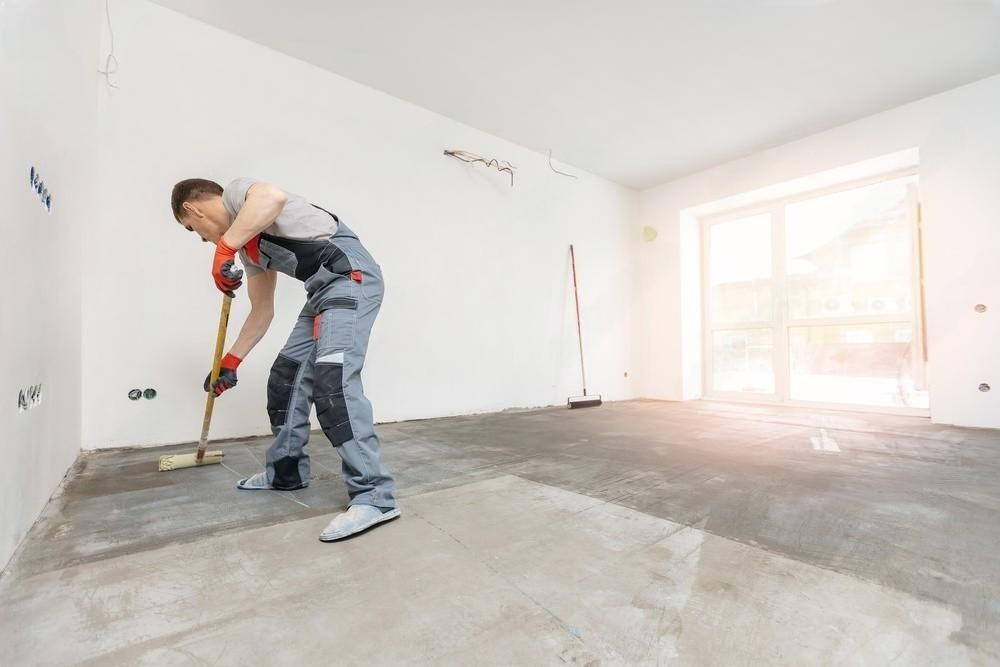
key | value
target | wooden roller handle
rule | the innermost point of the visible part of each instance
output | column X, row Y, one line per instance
column 220, row 344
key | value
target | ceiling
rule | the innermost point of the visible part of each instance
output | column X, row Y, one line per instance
column 638, row 91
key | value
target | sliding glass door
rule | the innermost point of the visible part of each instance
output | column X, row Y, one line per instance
column 816, row 300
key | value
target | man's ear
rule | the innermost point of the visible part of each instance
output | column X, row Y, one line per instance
column 190, row 209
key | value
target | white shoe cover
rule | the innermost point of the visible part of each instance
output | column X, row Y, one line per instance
column 356, row 519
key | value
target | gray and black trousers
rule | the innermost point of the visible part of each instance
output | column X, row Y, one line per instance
column 321, row 363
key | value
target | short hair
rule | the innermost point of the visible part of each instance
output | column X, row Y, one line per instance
column 192, row 189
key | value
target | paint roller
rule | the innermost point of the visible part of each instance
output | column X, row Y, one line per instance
column 201, row 457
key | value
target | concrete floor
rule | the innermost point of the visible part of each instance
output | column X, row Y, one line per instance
column 639, row 532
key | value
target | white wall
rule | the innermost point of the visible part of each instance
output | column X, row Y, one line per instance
column 958, row 138
column 478, row 309
column 48, row 100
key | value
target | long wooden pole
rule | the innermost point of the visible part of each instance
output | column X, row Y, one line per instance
column 220, row 344
column 579, row 332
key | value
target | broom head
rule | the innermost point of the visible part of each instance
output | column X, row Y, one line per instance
column 583, row 401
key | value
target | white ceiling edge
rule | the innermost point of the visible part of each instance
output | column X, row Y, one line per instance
column 688, row 87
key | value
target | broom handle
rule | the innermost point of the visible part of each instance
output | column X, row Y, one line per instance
column 220, row 344
column 579, row 333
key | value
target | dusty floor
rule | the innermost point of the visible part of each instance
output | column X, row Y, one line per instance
column 634, row 533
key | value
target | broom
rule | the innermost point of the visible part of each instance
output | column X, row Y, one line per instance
column 201, row 457
column 584, row 401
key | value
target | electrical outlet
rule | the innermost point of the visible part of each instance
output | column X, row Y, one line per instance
column 135, row 394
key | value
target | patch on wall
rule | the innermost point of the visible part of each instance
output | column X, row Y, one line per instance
column 39, row 189
column 30, row 397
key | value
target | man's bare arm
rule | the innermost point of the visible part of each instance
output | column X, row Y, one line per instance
column 262, row 205
column 260, row 287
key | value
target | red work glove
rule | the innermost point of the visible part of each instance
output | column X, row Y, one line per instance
column 227, row 374
column 227, row 277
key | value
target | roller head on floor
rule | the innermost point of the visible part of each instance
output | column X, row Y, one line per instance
column 177, row 461
column 583, row 401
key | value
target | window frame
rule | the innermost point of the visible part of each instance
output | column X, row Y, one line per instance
column 780, row 322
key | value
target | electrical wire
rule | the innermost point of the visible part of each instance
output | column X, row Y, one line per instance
column 111, row 62
column 499, row 165
column 561, row 173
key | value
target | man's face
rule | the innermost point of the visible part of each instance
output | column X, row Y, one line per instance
column 207, row 218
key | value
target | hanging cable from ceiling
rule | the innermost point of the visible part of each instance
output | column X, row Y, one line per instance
column 499, row 165
column 561, row 173
column 111, row 62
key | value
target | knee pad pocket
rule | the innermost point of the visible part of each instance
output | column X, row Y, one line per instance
column 331, row 405
column 279, row 389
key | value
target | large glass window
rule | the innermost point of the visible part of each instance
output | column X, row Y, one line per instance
column 741, row 269
column 817, row 300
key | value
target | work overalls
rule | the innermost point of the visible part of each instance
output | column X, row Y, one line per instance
column 321, row 363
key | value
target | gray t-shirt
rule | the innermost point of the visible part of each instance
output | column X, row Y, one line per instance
column 298, row 218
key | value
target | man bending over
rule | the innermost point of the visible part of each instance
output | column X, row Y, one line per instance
column 275, row 231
